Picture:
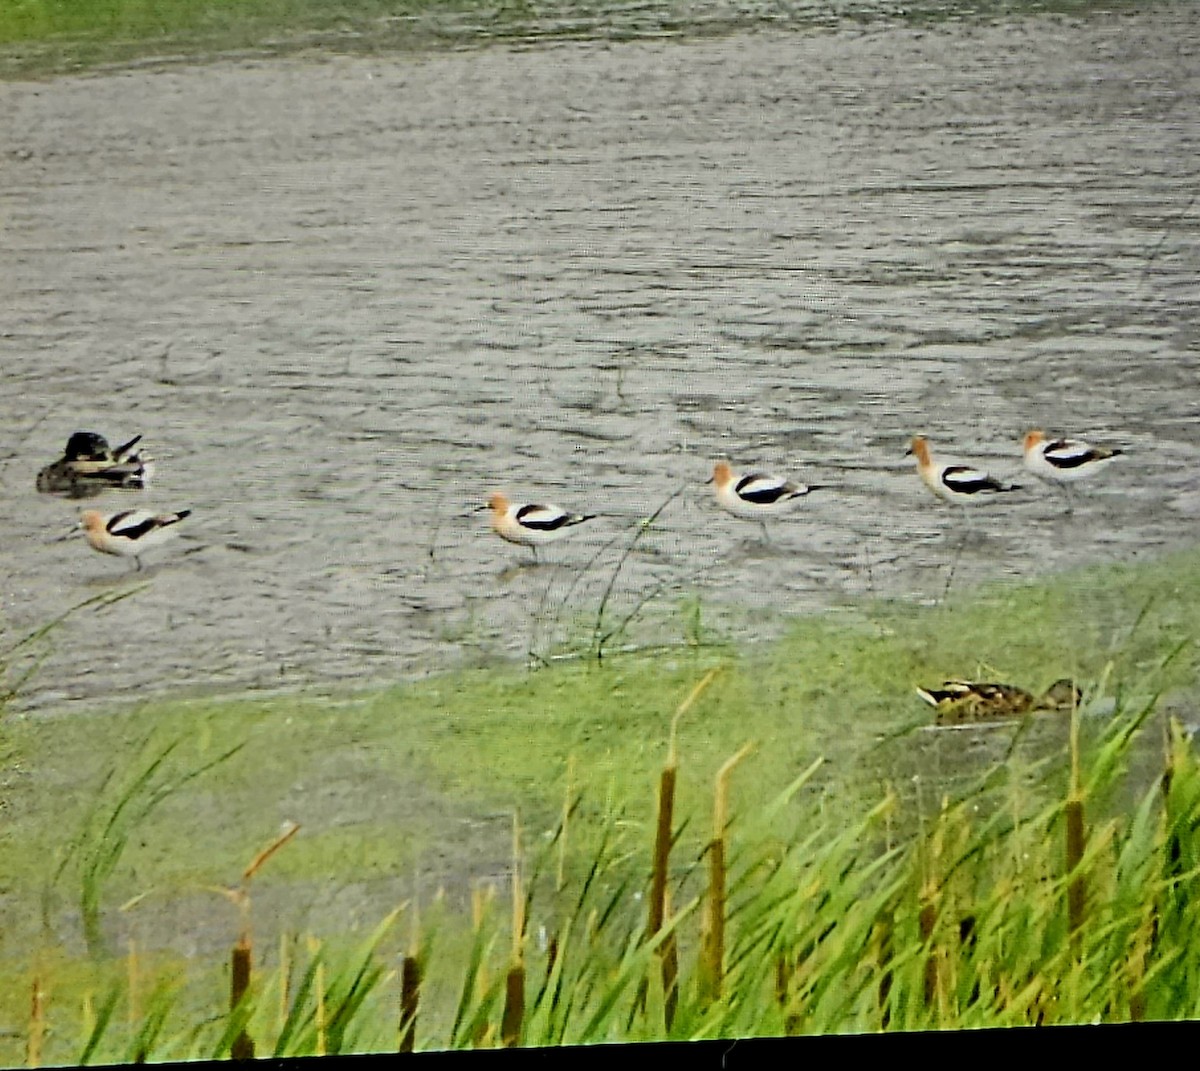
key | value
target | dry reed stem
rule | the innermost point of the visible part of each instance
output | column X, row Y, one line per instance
column 37, row 1024
column 713, row 943
column 683, row 708
column 240, row 893
column 256, row 863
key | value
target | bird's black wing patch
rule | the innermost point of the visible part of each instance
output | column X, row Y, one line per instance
column 528, row 516
column 970, row 481
column 1066, row 458
column 135, row 531
column 765, row 495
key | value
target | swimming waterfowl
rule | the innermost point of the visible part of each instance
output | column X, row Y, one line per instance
column 529, row 524
column 88, row 466
column 130, row 533
column 959, row 701
column 1064, row 461
column 756, row 496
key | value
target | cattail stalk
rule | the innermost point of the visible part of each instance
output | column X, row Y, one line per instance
column 514, row 1006
column 241, row 958
column 514, row 987
column 239, row 984
column 410, row 993
column 657, row 908
column 669, row 952
column 713, row 942
column 410, row 987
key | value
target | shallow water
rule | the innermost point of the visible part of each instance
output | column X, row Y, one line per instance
column 344, row 299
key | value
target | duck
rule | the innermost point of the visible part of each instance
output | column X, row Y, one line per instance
column 960, row 701
column 89, row 466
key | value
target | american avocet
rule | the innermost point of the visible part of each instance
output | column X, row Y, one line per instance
column 130, row 533
column 954, row 483
column 88, row 466
column 960, row 701
column 756, row 496
column 531, row 525
column 1063, row 461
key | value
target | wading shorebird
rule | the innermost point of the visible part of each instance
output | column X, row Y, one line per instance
column 127, row 534
column 954, row 483
column 957, row 701
column 88, row 466
column 755, row 496
column 1063, row 461
column 530, row 525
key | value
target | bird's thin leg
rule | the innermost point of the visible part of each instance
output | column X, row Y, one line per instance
column 1070, row 500
column 950, row 574
column 954, row 562
column 766, row 535
column 535, row 557
column 137, row 564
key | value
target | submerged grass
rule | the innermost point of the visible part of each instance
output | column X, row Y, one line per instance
column 911, row 879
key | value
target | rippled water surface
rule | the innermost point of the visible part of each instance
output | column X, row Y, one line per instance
column 344, row 299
